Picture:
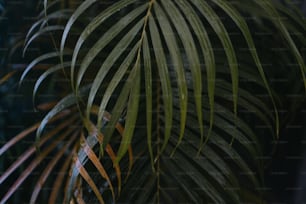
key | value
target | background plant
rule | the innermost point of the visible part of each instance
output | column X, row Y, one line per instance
column 159, row 98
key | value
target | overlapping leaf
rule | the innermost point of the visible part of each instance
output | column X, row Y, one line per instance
column 170, row 71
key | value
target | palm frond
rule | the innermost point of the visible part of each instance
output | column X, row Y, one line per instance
column 167, row 83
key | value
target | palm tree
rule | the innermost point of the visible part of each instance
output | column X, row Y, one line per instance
column 156, row 101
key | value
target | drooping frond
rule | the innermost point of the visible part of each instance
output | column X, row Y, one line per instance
column 174, row 85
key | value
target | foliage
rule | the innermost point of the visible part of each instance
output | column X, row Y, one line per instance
column 155, row 101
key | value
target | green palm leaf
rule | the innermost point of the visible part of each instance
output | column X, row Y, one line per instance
column 173, row 74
